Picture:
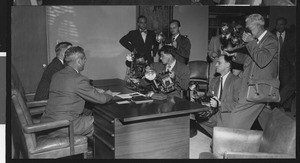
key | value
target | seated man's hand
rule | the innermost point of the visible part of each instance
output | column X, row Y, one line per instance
column 109, row 92
column 134, row 80
column 247, row 37
column 100, row 90
column 150, row 94
column 172, row 74
column 214, row 101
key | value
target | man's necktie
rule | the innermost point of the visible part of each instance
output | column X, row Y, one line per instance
column 220, row 87
column 280, row 39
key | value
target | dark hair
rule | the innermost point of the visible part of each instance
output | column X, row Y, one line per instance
column 72, row 53
column 60, row 46
column 175, row 21
column 282, row 18
column 228, row 59
column 141, row 16
column 168, row 50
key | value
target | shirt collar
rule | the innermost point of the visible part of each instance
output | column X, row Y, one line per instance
column 282, row 34
column 172, row 65
column 261, row 36
column 175, row 37
column 62, row 61
column 224, row 78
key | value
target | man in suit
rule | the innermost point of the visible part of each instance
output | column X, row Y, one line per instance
column 287, row 62
column 180, row 42
column 142, row 40
column 225, row 90
column 67, row 95
column 179, row 72
column 57, row 64
column 263, row 56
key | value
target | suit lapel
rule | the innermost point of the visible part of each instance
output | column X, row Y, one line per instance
column 226, row 85
column 140, row 37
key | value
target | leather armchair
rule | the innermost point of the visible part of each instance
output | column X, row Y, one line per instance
column 30, row 140
column 35, row 107
column 278, row 140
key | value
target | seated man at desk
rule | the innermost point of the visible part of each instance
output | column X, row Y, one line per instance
column 67, row 95
column 178, row 73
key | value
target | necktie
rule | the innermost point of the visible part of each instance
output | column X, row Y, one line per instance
column 220, row 87
column 280, row 39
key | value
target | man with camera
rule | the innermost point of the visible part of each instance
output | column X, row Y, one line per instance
column 168, row 77
column 180, row 42
column 223, row 92
column 261, row 64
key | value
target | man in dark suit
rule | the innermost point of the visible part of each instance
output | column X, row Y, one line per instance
column 57, row 64
column 180, row 42
column 179, row 72
column 67, row 95
column 142, row 40
column 287, row 62
column 262, row 46
column 225, row 97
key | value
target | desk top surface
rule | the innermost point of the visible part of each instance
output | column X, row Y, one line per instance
column 133, row 112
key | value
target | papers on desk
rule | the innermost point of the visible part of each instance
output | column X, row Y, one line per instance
column 129, row 95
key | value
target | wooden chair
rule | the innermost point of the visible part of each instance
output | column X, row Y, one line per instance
column 30, row 141
column 199, row 74
column 278, row 140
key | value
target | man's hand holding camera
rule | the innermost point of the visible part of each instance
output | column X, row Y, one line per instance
column 172, row 74
column 247, row 37
column 215, row 102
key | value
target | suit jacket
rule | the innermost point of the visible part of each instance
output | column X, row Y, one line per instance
column 134, row 40
column 230, row 93
column 42, row 91
column 183, row 48
column 287, row 58
column 263, row 56
column 214, row 46
column 67, row 95
column 182, row 76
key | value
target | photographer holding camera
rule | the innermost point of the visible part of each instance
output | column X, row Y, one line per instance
column 173, row 75
column 224, row 92
column 261, row 63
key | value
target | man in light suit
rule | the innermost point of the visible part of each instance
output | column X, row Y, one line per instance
column 57, row 64
column 180, row 42
column 67, row 95
column 141, row 41
column 225, row 97
column 263, row 56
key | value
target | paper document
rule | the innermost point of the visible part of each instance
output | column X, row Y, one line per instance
column 129, row 95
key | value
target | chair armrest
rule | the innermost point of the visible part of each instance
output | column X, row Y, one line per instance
column 238, row 155
column 235, row 140
column 33, row 104
column 45, row 126
column 29, row 96
column 37, row 110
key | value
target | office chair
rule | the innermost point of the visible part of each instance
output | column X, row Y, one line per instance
column 31, row 143
column 199, row 74
column 278, row 140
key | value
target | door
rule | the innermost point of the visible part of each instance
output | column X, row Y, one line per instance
column 29, row 44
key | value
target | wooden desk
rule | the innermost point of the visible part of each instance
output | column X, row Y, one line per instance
column 160, row 129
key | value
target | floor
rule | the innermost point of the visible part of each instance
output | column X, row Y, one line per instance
column 199, row 143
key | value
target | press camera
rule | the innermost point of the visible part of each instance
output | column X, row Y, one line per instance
column 161, row 82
